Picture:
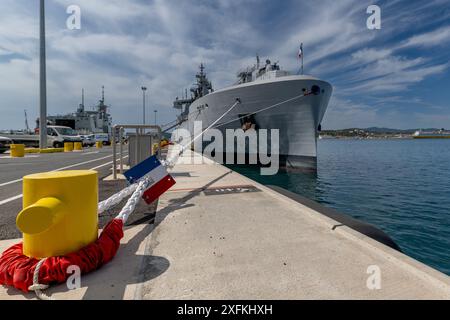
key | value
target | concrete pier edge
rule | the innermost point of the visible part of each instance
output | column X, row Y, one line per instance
column 422, row 270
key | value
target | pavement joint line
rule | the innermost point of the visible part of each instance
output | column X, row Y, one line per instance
column 2, row 202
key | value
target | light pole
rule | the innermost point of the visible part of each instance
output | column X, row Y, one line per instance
column 143, row 103
column 42, row 82
column 155, row 111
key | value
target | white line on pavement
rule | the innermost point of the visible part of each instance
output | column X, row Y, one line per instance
column 10, row 199
column 105, row 164
column 59, row 169
column 20, row 195
column 10, row 182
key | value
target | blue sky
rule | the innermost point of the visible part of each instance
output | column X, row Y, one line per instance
column 398, row 76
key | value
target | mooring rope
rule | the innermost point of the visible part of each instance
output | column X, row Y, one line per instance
column 264, row 109
column 169, row 163
column 115, row 199
column 36, row 286
column 129, row 207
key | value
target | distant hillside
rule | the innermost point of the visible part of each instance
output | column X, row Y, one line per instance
column 389, row 130
column 378, row 130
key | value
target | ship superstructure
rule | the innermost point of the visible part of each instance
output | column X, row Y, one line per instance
column 84, row 121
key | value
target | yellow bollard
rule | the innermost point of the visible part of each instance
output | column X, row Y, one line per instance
column 17, row 150
column 68, row 146
column 78, row 146
column 155, row 147
column 60, row 212
column 99, row 144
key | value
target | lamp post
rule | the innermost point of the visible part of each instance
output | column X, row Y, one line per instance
column 42, row 82
column 143, row 104
column 155, row 111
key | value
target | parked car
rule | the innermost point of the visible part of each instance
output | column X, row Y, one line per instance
column 4, row 144
column 57, row 135
column 88, row 140
column 102, row 137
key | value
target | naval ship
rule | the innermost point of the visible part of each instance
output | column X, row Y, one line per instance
column 85, row 121
column 258, row 88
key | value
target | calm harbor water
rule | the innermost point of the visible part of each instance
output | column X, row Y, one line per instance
column 400, row 186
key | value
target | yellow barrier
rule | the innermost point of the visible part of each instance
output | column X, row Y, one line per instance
column 52, row 150
column 48, row 150
column 99, row 144
column 32, row 150
column 17, row 150
column 60, row 212
column 155, row 148
column 78, row 146
column 68, row 146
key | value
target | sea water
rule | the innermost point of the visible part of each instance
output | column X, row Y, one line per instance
column 402, row 186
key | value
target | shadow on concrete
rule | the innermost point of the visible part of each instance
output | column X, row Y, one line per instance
column 111, row 281
column 180, row 203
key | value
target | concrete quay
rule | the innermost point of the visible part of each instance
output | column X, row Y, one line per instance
column 219, row 235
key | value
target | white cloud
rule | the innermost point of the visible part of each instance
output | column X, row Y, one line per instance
column 439, row 37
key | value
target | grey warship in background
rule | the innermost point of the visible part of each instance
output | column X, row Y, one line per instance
column 260, row 87
column 84, row 121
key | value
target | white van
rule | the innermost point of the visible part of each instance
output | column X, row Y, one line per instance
column 57, row 135
column 103, row 138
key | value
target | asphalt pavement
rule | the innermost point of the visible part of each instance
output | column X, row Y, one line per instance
column 12, row 170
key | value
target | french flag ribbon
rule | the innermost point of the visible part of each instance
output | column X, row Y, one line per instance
column 160, row 179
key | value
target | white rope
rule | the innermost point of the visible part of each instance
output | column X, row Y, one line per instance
column 121, row 195
column 171, row 161
column 116, row 198
column 134, row 200
column 36, row 286
column 264, row 109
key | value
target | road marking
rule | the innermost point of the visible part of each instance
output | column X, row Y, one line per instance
column 10, row 182
column 20, row 195
column 27, row 156
column 91, row 152
column 10, row 199
column 59, row 169
column 105, row 164
column 81, row 163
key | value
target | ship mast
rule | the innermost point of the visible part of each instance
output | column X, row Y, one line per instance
column 26, row 121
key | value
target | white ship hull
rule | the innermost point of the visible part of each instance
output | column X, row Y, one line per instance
column 297, row 120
